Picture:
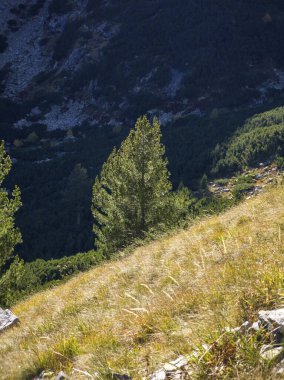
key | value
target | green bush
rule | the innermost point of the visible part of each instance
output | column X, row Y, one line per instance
column 240, row 189
column 210, row 205
column 17, row 282
column 22, row 279
column 279, row 161
column 261, row 137
column 221, row 181
column 54, row 270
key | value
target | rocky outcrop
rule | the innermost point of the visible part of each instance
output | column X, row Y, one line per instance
column 176, row 369
column 270, row 325
column 7, row 319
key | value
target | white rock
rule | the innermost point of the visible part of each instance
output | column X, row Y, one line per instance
column 270, row 353
column 273, row 320
column 255, row 326
column 180, row 362
column 7, row 319
column 168, row 367
column 159, row 375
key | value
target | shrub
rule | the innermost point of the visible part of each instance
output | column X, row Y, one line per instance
column 279, row 161
column 240, row 189
column 17, row 282
column 221, row 181
column 261, row 137
column 23, row 279
column 55, row 270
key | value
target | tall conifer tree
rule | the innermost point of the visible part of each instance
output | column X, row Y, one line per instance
column 133, row 193
column 9, row 205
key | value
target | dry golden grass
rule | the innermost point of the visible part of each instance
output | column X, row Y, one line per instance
column 168, row 297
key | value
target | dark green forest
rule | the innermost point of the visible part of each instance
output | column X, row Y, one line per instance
column 49, row 221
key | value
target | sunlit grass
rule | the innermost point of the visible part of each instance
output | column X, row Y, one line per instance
column 166, row 299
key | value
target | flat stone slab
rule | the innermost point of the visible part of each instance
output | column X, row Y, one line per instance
column 7, row 319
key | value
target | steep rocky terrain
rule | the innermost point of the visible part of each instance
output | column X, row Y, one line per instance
column 107, row 62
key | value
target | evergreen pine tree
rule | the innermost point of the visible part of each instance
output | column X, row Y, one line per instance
column 203, row 186
column 133, row 193
column 9, row 205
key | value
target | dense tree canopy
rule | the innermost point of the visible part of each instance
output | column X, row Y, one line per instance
column 133, row 193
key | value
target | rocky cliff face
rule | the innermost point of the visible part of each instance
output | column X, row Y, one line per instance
column 63, row 63
column 36, row 62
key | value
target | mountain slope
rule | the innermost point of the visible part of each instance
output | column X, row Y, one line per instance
column 93, row 66
column 104, row 61
column 163, row 300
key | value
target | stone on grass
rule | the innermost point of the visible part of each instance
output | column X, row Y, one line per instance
column 7, row 319
column 273, row 321
column 270, row 353
column 175, row 370
column 255, row 326
column 161, row 374
column 180, row 362
column 168, row 367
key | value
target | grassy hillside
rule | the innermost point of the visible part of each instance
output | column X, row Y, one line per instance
column 165, row 299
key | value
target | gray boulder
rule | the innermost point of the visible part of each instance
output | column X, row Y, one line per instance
column 273, row 321
column 7, row 319
column 178, row 369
